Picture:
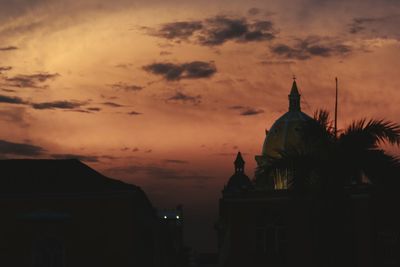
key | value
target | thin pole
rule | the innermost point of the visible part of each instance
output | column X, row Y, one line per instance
column 336, row 107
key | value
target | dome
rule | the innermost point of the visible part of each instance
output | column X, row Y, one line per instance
column 239, row 182
column 285, row 133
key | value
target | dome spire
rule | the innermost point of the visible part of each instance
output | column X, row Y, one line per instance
column 239, row 163
column 294, row 97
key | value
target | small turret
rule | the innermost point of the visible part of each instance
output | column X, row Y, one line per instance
column 294, row 97
column 239, row 163
column 239, row 182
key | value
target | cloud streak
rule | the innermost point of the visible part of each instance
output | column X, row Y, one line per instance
column 175, row 72
column 134, row 113
column 312, row 46
column 30, row 81
column 20, row 149
column 217, row 30
column 112, row 104
column 251, row 112
column 181, row 97
column 8, row 48
column 11, row 100
column 58, row 105
column 126, row 87
column 5, row 68
column 246, row 111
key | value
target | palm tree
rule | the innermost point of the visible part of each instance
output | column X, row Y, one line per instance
column 327, row 162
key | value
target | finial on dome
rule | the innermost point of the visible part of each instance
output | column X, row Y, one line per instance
column 239, row 163
column 294, row 97
column 294, row 90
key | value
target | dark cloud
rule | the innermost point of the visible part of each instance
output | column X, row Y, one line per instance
column 311, row 46
column 191, row 70
column 179, row 96
column 178, row 30
column 126, row 87
column 221, row 29
column 76, row 156
column 30, row 81
column 246, row 111
column 358, row 24
column 217, row 30
column 176, row 161
column 251, row 111
column 58, row 105
column 11, row 100
column 112, row 104
column 277, row 62
column 8, row 48
column 8, row 90
column 134, row 113
column 78, row 110
column 94, row 109
column 386, row 26
column 5, row 68
column 19, row 149
column 135, row 149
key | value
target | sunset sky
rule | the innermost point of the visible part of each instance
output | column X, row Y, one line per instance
column 163, row 94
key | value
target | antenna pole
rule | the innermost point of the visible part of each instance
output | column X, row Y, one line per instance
column 336, row 107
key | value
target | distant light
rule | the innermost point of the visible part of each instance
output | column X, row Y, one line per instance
column 177, row 216
column 165, row 217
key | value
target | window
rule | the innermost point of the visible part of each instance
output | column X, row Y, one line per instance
column 387, row 245
column 48, row 252
column 271, row 241
column 281, row 179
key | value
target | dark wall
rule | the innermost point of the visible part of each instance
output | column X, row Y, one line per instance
column 110, row 229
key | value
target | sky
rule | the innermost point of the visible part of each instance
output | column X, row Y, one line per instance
column 163, row 94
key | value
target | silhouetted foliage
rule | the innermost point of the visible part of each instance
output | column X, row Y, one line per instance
column 324, row 170
column 327, row 162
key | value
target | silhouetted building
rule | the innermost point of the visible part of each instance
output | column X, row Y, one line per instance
column 262, row 223
column 205, row 260
column 239, row 181
column 172, row 223
column 62, row 213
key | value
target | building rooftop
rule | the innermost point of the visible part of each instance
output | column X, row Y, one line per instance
column 49, row 176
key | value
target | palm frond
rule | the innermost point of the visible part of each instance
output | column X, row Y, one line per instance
column 322, row 117
column 381, row 168
column 363, row 134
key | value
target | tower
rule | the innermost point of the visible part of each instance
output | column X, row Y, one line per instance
column 294, row 98
column 283, row 134
column 239, row 182
column 239, row 163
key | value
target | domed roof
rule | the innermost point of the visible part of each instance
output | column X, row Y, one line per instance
column 285, row 133
column 239, row 182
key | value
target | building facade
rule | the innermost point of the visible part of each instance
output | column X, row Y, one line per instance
column 263, row 223
column 60, row 213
